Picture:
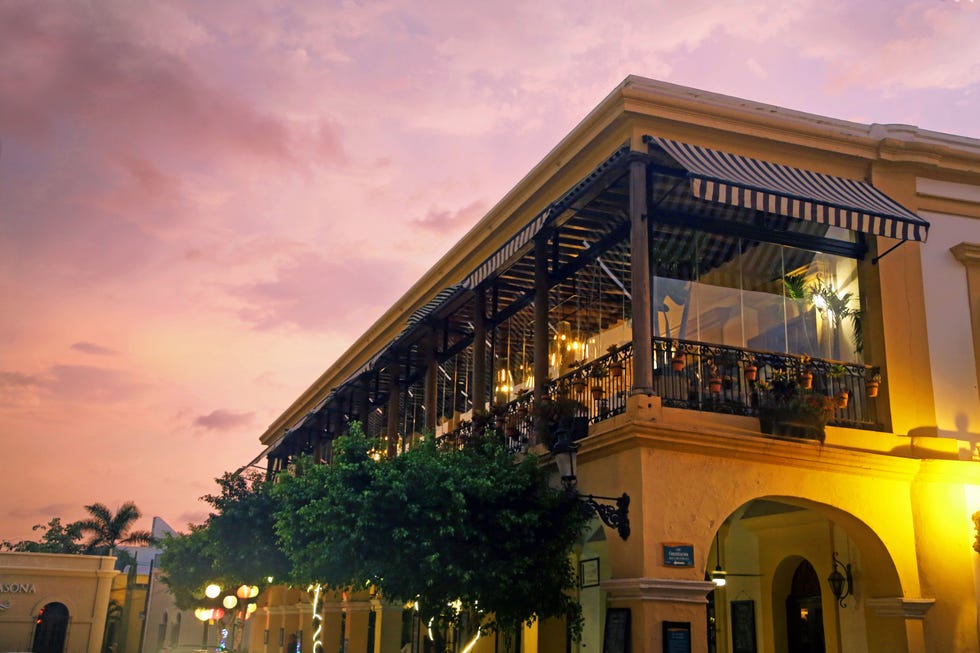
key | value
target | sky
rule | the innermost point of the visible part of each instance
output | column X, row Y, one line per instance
column 202, row 204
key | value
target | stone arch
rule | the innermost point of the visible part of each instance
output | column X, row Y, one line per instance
column 51, row 628
column 821, row 530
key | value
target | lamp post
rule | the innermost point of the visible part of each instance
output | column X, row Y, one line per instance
column 614, row 516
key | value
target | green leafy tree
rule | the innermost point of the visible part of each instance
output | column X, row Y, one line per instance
column 108, row 530
column 55, row 538
column 236, row 545
column 473, row 528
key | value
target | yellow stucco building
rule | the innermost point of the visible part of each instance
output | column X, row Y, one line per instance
column 713, row 279
column 53, row 603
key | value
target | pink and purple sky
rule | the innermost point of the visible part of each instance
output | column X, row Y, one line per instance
column 203, row 203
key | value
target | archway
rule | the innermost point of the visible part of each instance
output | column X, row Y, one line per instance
column 778, row 553
column 51, row 628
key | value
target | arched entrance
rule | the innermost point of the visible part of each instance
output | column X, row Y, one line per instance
column 51, row 629
column 804, row 612
column 777, row 554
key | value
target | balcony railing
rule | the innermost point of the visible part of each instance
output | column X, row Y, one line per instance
column 694, row 376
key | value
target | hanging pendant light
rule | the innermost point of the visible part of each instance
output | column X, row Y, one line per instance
column 718, row 576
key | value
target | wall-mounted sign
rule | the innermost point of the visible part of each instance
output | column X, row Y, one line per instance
column 678, row 555
column 677, row 637
column 16, row 588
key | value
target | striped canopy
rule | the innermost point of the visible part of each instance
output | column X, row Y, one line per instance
column 783, row 190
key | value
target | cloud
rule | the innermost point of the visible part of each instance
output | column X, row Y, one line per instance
column 443, row 220
column 223, row 420
column 45, row 512
column 310, row 291
column 78, row 383
column 94, row 349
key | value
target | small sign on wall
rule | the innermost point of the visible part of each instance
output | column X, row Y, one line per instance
column 677, row 554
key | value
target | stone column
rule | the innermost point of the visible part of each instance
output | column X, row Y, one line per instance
column 388, row 627
column 969, row 255
column 358, row 608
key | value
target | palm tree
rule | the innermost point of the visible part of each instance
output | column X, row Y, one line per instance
column 110, row 530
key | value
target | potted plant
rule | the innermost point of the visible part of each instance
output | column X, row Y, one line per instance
column 806, row 373
column 616, row 366
column 751, row 371
column 560, row 417
column 871, row 381
column 596, row 374
column 788, row 409
column 714, row 379
column 577, row 382
column 843, row 398
column 678, row 362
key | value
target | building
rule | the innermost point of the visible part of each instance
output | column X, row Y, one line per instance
column 52, row 602
column 713, row 278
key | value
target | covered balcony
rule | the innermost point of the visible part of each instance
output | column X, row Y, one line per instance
column 716, row 282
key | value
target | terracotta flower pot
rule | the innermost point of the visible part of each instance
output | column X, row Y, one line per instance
column 598, row 392
column 806, row 380
column 751, row 372
column 578, row 387
column 677, row 364
column 714, row 384
column 616, row 370
column 872, row 388
column 843, row 397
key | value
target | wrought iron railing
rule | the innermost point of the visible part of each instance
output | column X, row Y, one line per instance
column 691, row 375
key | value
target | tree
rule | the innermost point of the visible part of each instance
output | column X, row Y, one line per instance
column 473, row 528
column 109, row 530
column 236, row 545
column 55, row 538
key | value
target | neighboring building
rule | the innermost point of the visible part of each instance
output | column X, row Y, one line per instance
column 717, row 246
column 153, row 623
column 53, row 603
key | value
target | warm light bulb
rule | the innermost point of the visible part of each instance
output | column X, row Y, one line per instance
column 230, row 601
column 212, row 591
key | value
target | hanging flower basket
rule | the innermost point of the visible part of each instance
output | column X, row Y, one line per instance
column 677, row 363
column 598, row 392
column 616, row 370
column 714, row 384
column 751, row 372
column 578, row 385
column 843, row 398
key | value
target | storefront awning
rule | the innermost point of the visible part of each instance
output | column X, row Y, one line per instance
column 792, row 192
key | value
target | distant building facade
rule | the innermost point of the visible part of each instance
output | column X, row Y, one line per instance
column 53, row 603
column 772, row 322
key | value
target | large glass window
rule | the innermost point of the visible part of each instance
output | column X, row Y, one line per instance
column 727, row 290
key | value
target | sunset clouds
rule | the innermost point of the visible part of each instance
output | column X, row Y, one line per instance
column 203, row 203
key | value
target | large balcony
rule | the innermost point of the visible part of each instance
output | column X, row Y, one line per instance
column 695, row 376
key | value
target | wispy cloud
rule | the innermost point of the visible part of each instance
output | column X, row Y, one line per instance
column 223, row 420
column 94, row 349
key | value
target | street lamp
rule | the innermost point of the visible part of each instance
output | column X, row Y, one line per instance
column 566, row 456
column 243, row 598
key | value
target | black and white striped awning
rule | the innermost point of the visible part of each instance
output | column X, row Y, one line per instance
column 783, row 190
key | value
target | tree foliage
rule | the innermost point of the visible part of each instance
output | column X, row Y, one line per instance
column 55, row 538
column 435, row 525
column 108, row 530
column 236, row 544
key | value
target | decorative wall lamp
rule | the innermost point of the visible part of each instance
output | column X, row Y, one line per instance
column 841, row 584
column 618, row 516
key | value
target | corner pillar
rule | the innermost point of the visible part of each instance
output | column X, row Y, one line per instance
column 358, row 610
column 652, row 601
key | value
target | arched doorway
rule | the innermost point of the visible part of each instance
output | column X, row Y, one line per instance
column 804, row 612
column 51, row 629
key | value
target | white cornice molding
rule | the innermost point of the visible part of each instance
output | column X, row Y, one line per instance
column 670, row 590
column 966, row 253
column 899, row 606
